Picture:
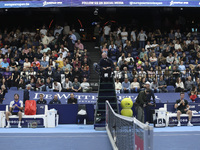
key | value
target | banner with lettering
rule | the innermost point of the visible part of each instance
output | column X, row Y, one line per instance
column 90, row 98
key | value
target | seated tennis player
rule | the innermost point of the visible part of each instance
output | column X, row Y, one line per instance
column 183, row 108
column 16, row 107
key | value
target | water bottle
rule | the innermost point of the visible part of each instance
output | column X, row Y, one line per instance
column 84, row 121
column 78, row 121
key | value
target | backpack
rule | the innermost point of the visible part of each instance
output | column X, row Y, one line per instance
column 30, row 107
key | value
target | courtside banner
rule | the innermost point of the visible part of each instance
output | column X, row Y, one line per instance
column 91, row 98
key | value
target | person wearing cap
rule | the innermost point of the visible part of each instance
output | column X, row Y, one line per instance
column 140, row 104
column 150, row 101
column 143, row 102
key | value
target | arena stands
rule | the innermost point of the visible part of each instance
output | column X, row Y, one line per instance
column 169, row 61
column 40, row 58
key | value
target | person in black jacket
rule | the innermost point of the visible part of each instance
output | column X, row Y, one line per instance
column 26, row 93
column 72, row 100
column 106, row 66
column 55, row 100
column 41, row 100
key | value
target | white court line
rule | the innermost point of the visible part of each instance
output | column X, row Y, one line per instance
column 50, row 136
column 177, row 134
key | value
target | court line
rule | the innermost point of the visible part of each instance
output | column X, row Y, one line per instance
column 177, row 134
column 50, row 136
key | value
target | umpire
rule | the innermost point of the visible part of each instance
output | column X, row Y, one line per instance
column 106, row 66
column 143, row 104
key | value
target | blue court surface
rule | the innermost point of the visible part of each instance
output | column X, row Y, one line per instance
column 84, row 137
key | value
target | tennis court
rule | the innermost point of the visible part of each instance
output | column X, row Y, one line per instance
column 84, row 137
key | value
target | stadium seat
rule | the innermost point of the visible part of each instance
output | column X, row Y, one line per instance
column 192, row 61
column 13, row 88
column 170, row 88
column 197, row 100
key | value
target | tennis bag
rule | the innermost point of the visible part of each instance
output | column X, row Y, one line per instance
column 30, row 107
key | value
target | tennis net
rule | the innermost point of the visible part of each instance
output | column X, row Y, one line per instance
column 126, row 133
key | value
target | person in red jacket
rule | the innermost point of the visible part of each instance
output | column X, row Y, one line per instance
column 193, row 96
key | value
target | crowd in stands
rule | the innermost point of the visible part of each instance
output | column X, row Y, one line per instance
column 165, row 60
column 48, row 59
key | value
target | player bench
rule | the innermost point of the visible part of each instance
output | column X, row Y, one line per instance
column 44, row 118
column 168, row 113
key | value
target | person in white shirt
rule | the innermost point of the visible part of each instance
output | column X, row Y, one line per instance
column 195, row 41
column 43, row 30
column 177, row 46
column 64, row 52
column 135, row 86
column 133, row 36
column 66, row 85
column 178, row 34
column 179, row 85
column 45, row 39
column 148, row 46
column 45, row 50
column 118, row 86
column 124, row 35
column 58, row 30
column 170, row 59
column 60, row 58
column 117, row 73
column 188, row 41
column 107, row 30
column 85, row 86
column 56, row 86
column 142, row 37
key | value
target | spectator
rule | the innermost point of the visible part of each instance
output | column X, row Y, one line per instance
column 124, row 35
column 189, row 84
column 1, row 96
column 21, row 84
column 85, row 86
column 135, row 86
column 76, row 86
column 16, row 107
column 118, row 86
column 44, row 39
column 66, row 85
column 48, row 85
column 56, row 86
column 193, row 96
column 55, row 100
column 126, row 86
column 179, row 85
column 72, row 100
column 162, row 86
column 41, row 100
column 106, row 31
column 4, row 65
column 79, row 45
column 142, row 37
column 15, row 77
column 154, row 86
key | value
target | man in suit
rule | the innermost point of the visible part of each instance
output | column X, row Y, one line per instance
column 26, row 93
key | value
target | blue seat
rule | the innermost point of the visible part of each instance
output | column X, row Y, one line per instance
column 134, row 49
column 163, row 66
column 197, row 100
column 13, row 88
column 187, row 53
column 192, row 61
column 170, row 88
column 134, row 54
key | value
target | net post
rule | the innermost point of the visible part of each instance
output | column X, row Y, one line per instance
column 148, row 138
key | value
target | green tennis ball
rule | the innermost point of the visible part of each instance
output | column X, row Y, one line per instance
column 127, row 112
column 127, row 103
